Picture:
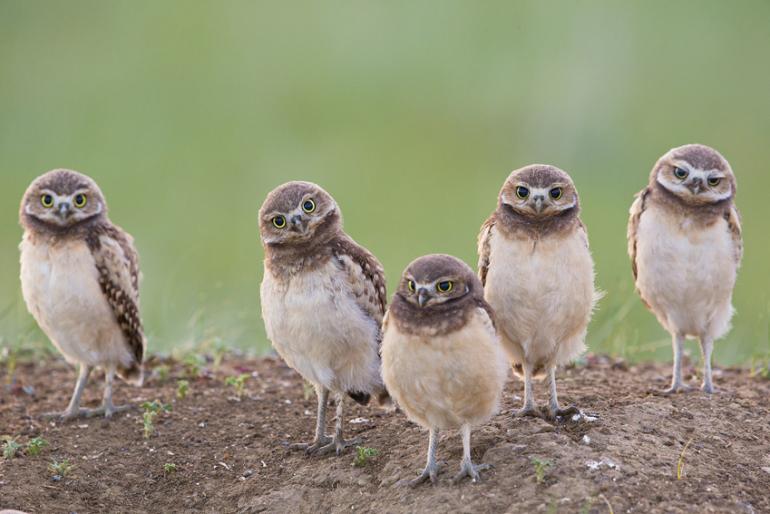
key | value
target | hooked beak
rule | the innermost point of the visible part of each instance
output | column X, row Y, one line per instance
column 539, row 203
column 64, row 210
column 422, row 296
column 695, row 185
column 297, row 223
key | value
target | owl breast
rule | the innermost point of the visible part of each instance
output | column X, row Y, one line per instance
column 686, row 273
column 317, row 327
column 445, row 381
column 60, row 286
column 543, row 295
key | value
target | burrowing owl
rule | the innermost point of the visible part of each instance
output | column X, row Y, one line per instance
column 684, row 239
column 323, row 299
column 538, row 275
column 441, row 358
column 80, row 280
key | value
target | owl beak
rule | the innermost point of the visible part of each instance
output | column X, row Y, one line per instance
column 695, row 185
column 296, row 223
column 422, row 296
column 64, row 210
column 539, row 203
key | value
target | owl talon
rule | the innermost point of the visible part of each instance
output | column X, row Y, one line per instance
column 311, row 448
column 471, row 470
column 566, row 412
column 338, row 445
column 676, row 389
column 708, row 388
column 527, row 412
column 429, row 473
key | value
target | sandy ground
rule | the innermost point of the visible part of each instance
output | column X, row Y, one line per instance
column 231, row 455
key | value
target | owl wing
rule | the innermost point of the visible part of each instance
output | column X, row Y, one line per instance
column 733, row 218
column 637, row 208
column 484, row 245
column 365, row 276
column 117, row 263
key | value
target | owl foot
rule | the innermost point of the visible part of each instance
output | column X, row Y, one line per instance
column 471, row 470
column 107, row 410
column 707, row 388
column 429, row 473
column 529, row 411
column 311, row 448
column 67, row 415
column 559, row 412
column 338, row 445
column 676, row 389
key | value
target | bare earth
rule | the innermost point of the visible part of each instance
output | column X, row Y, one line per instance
column 230, row 455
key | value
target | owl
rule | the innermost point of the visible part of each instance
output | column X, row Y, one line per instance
column 538, row 276
column 684, row 240
column 323, row 299
column 441, row 357
column 80, row 281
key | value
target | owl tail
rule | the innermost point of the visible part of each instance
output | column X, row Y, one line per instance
column 134, row 374
column 381, row 394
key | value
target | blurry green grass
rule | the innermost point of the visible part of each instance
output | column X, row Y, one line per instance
column 410, row 113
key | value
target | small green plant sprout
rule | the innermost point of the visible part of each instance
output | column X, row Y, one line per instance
column 680, row 462
column 219, row 350
column 193, row 364
column 182, row 388
column 60, row 469
column 541, row 468
column 609, row 505
column 169, row 468
column 363, row 454
column 151, row 411
column 35, row 446
column 10, row 448
column 238, row 383
column 163, row 371
column 307, row 390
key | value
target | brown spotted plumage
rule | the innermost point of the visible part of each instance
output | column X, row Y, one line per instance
column 80, row 279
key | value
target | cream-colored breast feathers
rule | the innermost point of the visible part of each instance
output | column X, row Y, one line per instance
column 324, row 323
column 542, row 292
column 61, row 286
column 449, row 380
column 686, row 273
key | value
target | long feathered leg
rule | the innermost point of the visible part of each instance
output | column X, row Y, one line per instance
column 468, row 468
column 707, row 346
column 321, row 439
column 677, row 385
column 431, row 467
column 528, row 409
column 338, row 444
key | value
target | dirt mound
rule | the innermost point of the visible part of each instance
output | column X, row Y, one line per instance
column 229, row 455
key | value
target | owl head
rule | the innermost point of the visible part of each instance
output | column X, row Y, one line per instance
column 538, row 192
column 297, row 213
column 695, row 174
column 437, row 281
column 60, row 200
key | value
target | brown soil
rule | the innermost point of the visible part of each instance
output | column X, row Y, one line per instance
column 230, row 455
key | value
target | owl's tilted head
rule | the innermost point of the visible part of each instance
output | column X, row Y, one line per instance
column 297, row 213
column 538, row 192
column 434, row 280
column 61, row 200
column 695, row 175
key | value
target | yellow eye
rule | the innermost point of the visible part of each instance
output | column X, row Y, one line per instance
column 522, row 192
column 47, row 201
column 279, row 222
column 445, row 286
column 556, row 193
column 714, row 181
column 410, row 284
column 308, row 206
column 680, row 173
column 80, row 201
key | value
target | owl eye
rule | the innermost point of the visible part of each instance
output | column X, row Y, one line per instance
column 410, row 284
column 522, row 192
column 47, row 201
column 279, row 222
column 308, row 206
column 445, row 286
column 80, row 201
column 680, row 173
column 556, row 193
column 714, row 181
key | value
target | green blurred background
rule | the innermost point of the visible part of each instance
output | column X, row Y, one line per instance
column 410, row 113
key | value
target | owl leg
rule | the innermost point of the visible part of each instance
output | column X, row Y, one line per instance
column 321, row 438
column 553, row 406
column 73, row 409
column 108, row 408
column 707, row 346
column 431, row 468
column 468, row 468
column 676, row 382
column 529, row 396
column 338, row 443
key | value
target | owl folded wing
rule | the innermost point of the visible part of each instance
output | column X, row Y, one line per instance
column 484, row 245
column 733, row 218
column 117, row 262
column 637, row 208
column 364, row 275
